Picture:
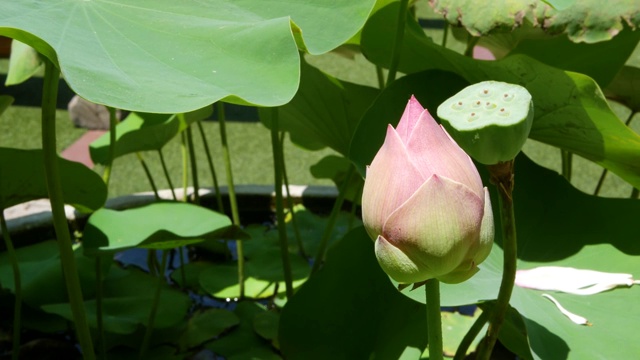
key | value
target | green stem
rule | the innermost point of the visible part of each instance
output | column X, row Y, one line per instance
column 183, row 276
column 567, row 164
column 445, row 34
column 102, row 342
column 333, row 217
column 235, row 217
column 605, row 171
column 52, row 177
column 434, row 320
column 380, row 75
column 354, row 207
column 154, row 307
column 294, row 221
column 397, row 44
column 216, row 186
column 635, row 193
column 502, row 176
column 282, row 226
column 194, row 166
column 148, row 174
column 17, row 285
column 471, row 44
column 471, row 335
column 106, row 175
column 185, row 166
column 165, row 170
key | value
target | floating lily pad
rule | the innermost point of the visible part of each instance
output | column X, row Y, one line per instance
column 205, row 326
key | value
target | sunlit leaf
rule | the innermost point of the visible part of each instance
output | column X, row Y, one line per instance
column 160, row 56
column 23, row 63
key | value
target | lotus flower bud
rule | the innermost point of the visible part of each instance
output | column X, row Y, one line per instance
column 490, row 120
column 424, row 205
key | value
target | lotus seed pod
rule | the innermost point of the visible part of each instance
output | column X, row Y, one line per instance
column 490, row 120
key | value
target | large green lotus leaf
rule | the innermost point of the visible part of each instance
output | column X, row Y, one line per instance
column 22, row 178
column 561, row 226
column 431, row 88
column 5, row 102
column 41, row 274
column 157, row 226
column 243, row 343
column 126, row 303
column 324, row 111
column 625, row 88
column 144, row 132
column 562, row 53
column 168, row 57
column 582, row 20
column 570, row 111
column 351, row 305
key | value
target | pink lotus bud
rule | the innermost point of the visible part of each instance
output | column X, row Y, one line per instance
column 424, row 204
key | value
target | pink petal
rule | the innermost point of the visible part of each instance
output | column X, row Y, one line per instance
column 437, row 225
column 434, row 152
column 391, row 180
column 409, row 119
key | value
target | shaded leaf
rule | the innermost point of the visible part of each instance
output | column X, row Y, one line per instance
column 324, row 112
column 5, row 102
column 156, row 56
column 22, row 178
column 335, row 168
column 364, row 317
column 206, row 325
column 625, row 88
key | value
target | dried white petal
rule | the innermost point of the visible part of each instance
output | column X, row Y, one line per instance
column 571, row 280
column 577, row 319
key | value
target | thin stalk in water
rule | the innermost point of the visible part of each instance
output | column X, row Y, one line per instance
column 216, row 186
column 194, row 166
column 17, row 285
column 52, row 177
column 294, row 222
column 148, row 174
column 434, row 319
column 282, row 227
column 380, row 76
column 165, row 170
column 397, row 44
column 235, row 217
column 502, row 176
column 154, row 307
column 445, row 34
column 333, row 217
column 102, row 342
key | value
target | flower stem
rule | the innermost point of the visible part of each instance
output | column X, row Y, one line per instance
column 294, row 222
column 106, row 175
column 235, row 217
column 434, row 320
column 333, row 217
column 154, row 306
column 52, row 177
column 502, row 176
column 148, row 174
column 397, row 44
column 17, row 285
column 194, row 166
column 211, row 167
column 185, row 168
column 473, row 332
column 282, row 226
